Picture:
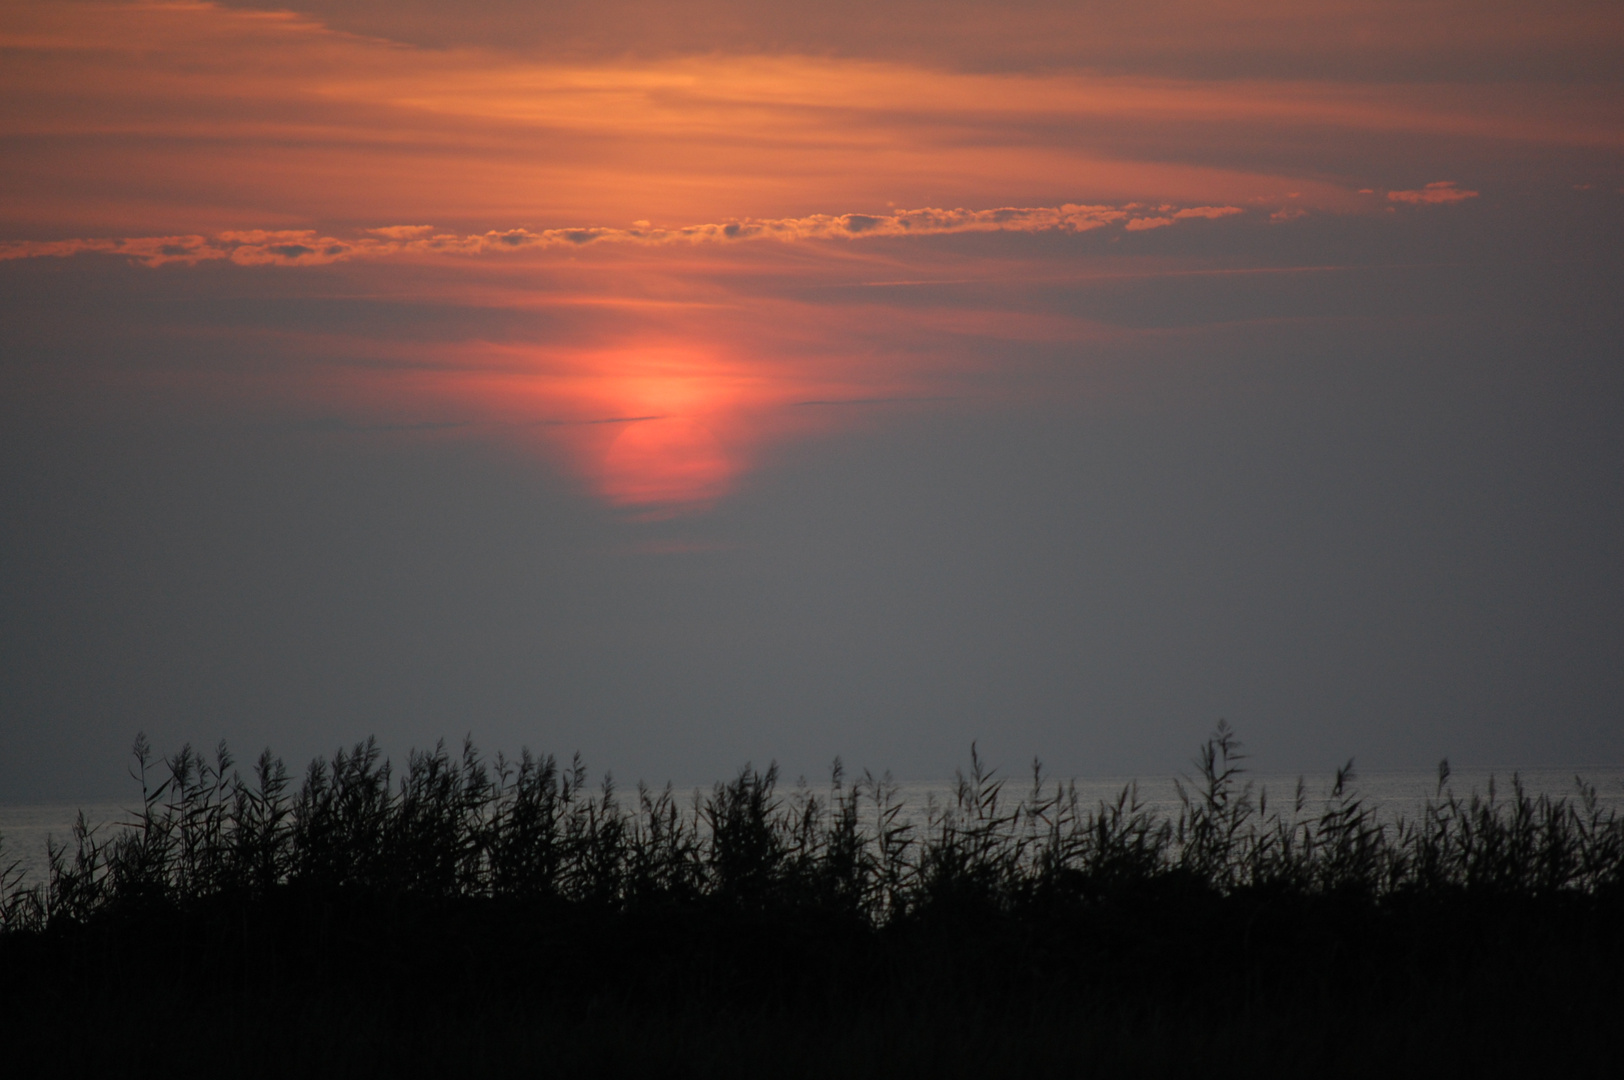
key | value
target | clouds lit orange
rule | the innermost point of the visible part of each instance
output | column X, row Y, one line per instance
column 292, row 247
column 159, row 119
column 699, row 235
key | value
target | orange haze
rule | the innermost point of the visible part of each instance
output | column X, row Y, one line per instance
column 701, row 255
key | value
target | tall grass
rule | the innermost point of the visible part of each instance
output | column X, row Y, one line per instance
column 460, row 826
column 488, row 914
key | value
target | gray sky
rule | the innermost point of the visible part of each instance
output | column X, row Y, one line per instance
column 1290, row 437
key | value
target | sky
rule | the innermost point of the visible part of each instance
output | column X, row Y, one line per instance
column 690, row 384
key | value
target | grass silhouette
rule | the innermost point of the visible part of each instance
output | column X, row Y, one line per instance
column 471, row 912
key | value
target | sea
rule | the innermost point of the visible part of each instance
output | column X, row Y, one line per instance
column 26, row 830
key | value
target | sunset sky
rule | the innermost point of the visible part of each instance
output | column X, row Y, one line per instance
column 698, row 383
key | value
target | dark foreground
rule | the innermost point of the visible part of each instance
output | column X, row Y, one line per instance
column 479, row 917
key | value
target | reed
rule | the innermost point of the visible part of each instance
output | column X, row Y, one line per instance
column 759, row 908
column 456, row 826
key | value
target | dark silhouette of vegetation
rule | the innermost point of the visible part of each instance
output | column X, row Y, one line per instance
column 473, row 912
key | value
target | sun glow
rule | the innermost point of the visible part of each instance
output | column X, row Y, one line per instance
column 671, row 411
column 653, row 428
column 665, row 461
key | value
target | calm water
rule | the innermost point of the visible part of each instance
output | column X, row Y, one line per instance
column 24, row 830
column 1393, row 794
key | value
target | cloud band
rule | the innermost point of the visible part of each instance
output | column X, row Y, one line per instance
column 307, row 247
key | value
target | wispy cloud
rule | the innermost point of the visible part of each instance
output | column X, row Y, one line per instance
column 1438, row 193
column 159, row 119
column 303, row 247
column 346, row 425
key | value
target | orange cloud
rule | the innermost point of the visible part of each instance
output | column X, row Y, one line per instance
column 1439, row 193
column 1422, row 40
column 1207, row 212
column 156, row 119
column 304, row 247
column 642, row 206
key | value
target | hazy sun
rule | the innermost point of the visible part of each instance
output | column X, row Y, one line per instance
column 669, row 460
